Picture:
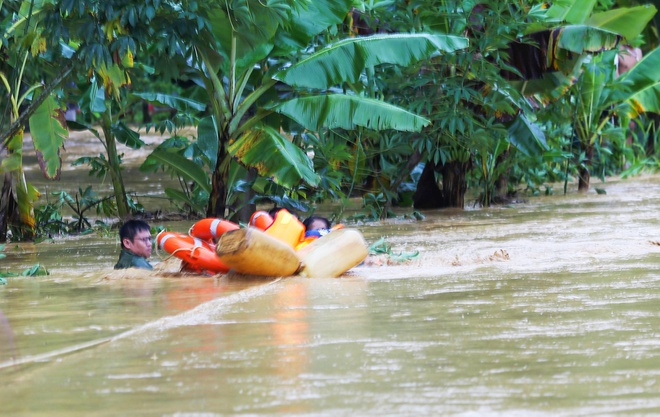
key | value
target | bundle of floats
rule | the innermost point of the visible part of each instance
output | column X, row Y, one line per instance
column 272, row 247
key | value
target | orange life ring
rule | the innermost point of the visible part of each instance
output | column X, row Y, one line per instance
column 211, row 228
column 261, row 220
column 197, row 254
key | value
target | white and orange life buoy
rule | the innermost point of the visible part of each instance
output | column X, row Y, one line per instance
column 211, row 228
column 198, row 255
column 261, row 219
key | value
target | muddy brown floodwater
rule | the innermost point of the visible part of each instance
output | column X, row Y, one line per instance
column 546, row 308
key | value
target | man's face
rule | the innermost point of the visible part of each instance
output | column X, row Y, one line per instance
column 141, row 244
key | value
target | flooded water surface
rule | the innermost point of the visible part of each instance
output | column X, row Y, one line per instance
column 550, row 307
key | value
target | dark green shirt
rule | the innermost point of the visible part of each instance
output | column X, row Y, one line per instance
column 128, row 259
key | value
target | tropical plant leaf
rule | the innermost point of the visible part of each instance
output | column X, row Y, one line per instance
column 180, row 165
column 127, row 136
column 48, row 135
column 571, row 11
column 207, row 139
column 641, row 92
column 251, row 26
column 526, row 136
column 311, row 20
column 347, row 112
column 583, row 38
column 113, row 78
column 274, row 156
column 346, row 59
column 592, row 92
column 626, row 21
column 176, row 102
column 178, row 195
column 13, row 161
column 26, row 196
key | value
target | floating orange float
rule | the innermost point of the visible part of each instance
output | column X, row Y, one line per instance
column 261, row 220
column 287, row 228
column 198, row 255
column 211, row 228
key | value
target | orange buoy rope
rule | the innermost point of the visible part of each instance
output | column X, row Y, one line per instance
column 196, row 253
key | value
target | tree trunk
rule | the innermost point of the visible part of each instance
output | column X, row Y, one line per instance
column 428, row 195
column 115, row 168
column 217, row 206
column 502, row 181
column 584, row 171
column 244, row 204
column 454, row 185
column 6, row 199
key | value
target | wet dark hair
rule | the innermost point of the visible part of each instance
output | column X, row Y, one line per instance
column 311, row 220
column 129, row 229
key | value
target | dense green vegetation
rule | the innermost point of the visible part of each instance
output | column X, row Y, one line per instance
column 409, row 103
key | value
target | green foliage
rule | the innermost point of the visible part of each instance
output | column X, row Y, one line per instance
column 382, row 247
column 185, row 161
column 34, row 270
column 50, row 220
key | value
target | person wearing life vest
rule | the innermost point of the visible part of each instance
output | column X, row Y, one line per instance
column 316, row 226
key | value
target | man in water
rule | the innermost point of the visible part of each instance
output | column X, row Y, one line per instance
column 135, row 237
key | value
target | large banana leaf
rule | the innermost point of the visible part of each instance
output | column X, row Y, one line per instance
column 176, row 102
column 48, row 135
column 316, row 17
column 641, row 92
column 348, row 112
column 207, row 139
column 274, row 156
column 181, row 165
column 571, row 11
column 526, row 136
column 583, row 38
column 346, row 59
column 256, row 26
column 591, row 95
column 627, row 21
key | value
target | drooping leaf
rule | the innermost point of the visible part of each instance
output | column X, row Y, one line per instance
column 346, row 59
column 207, row 139
column 641, row 92
column 626, row 21
column 251, row 25
column 127, row 136
column 48, row 135
column 182, row 166
column 526, row 136
column 176, row 102
column 113, row 78
column 27, row 195
column 348, row 112
column 571, row 11
column 13, row 161
column 274, row 156
column 311, row 20
column 583, row 38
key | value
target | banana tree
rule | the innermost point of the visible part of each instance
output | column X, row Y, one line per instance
column 265, row 77
column 603, row 98
column 576, row 48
